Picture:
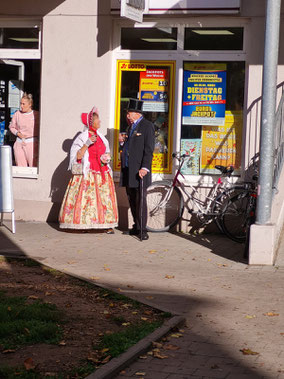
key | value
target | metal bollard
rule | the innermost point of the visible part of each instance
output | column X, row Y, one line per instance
column 6, row 184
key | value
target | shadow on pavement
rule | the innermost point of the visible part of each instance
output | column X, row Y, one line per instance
column 218, row 244
column 204, row 350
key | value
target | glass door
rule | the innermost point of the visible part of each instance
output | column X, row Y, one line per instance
column 212, row 116
column 11, row 89
column 152, row 82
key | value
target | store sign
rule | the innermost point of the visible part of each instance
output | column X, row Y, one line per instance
column 181, row 6
column 132, row 9
column 202, row 6
column 204, row 94
column 132, row 66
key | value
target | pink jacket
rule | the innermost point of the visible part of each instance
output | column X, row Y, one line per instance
column 26, row 123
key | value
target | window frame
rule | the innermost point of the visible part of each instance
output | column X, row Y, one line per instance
column 13, row 54
column 180, row 56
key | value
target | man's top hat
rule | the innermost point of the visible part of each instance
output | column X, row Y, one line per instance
column 135, row 105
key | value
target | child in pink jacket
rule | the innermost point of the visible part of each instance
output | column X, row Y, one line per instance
column 25, row 125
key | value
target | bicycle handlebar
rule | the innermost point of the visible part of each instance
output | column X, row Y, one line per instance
column 179, row 155
column 225, row 170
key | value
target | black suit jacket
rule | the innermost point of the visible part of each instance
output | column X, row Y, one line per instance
column 140, row 149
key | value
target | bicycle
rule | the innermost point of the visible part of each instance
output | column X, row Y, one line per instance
column 239, row 214
column 240, row 211
column 165, row 199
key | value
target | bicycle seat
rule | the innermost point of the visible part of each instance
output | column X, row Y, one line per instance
column 224, row 169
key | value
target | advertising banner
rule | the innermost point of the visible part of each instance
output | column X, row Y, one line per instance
column 221, row 145
column 14, row 95
column 2, row 127
column 204, row 94
column 2, row 94
column 191, row 147
column 153, row 90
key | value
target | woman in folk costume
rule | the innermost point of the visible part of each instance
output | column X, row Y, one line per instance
column 90, row 199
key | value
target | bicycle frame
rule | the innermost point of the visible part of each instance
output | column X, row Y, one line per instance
column 168, row 198
column 209, row 199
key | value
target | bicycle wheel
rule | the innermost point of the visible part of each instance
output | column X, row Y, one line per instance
column 250, row 222
column 220, row 203
column 218, row 207
column 165, row 206
column 234, row 217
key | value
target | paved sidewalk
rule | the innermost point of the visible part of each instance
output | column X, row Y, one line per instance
column 228, row 305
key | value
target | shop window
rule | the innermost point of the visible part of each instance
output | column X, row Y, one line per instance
column 213, row 39
column 149, row 38
column 19, row 38
column 212, row 110
column 20, row 67
column 152, row 82
column 19, row 76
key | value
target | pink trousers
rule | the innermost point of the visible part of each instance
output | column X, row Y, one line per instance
column 26, row 154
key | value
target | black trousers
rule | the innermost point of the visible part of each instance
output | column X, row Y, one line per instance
column 137, row 201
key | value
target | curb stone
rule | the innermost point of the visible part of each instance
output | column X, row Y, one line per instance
column 117, row 364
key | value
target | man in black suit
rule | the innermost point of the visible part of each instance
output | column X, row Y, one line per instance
column 136, row 162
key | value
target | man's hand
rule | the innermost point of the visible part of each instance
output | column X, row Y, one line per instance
column 142, row 173
column 122, row 138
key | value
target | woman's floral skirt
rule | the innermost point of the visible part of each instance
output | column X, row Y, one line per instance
column 89, row 203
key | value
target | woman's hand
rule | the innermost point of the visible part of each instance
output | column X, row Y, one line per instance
column 21, row 135
column 92, row 139
column 105, row 158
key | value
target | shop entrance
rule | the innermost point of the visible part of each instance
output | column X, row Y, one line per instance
column 16, row 77
column 152, row 82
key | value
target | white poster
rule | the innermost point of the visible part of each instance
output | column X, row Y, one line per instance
column 14, row 94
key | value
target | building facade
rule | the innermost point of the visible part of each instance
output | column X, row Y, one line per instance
column 184, row 56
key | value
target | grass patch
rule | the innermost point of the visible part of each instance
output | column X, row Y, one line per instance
column 18, row 373
column 53, row 272
column 80, row 311
column 22, row 323
column 26, row 261
column 166, row 315
column 118, row 343
column 118, row 297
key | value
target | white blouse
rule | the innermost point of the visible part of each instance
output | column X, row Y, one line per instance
column 76, row 146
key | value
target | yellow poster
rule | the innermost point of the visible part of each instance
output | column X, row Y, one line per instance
column 221, row 145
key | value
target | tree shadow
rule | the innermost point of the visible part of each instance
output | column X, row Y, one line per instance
column 201, row 344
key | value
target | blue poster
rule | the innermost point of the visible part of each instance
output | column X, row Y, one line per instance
column 204, row 94
column 2, row 127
